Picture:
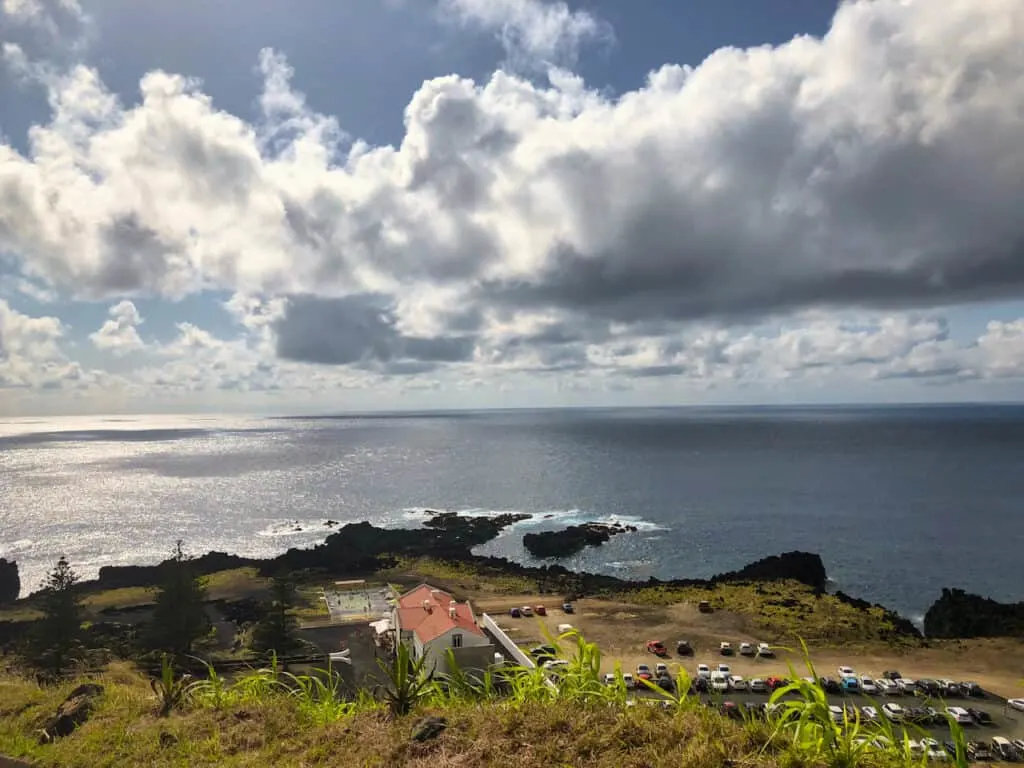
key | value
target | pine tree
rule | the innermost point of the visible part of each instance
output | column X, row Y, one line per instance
column 276, row 630
column 179, row 618
column 57, row 635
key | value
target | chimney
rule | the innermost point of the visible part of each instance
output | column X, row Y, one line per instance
column 452, row 609
column 426, row 606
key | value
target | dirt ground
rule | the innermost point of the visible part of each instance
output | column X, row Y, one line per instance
column 621, row 630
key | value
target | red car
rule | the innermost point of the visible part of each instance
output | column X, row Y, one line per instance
column 540, row 610
column 643, row 672
column 776, row 682
column 657, row 648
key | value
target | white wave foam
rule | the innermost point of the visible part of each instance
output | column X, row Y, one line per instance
column 298, row 528
column 561, row 516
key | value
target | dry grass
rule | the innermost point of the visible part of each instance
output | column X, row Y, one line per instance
column 235, row 583
column 459, row 577
column 125, row 597
column 125, row 731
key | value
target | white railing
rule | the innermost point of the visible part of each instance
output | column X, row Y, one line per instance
column 507, row 643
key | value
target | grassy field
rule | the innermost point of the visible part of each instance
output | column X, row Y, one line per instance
column 575, row 725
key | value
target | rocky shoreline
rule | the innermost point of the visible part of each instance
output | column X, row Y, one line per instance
column 362, row 549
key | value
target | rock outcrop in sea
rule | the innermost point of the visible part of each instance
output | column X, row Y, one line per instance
column 960, row 614
column 575, row 538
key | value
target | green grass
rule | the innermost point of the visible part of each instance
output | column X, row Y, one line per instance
column 786, row 609
column 458, row 576
column 235, row 583
column 125, row 597
column 271, row 718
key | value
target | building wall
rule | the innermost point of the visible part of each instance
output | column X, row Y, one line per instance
column 476, row 651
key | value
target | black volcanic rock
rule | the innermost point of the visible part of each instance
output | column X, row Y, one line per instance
column 804, row 567
column 961, row 614
column 10, row 582
column 571, row 540
column 116, row 576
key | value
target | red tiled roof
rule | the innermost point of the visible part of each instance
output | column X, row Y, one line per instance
column 431, row 624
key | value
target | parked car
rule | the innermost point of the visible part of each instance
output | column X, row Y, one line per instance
column 608, row 678
column 657, row 648
column 526, row 611
column 849, row 685
column 830, row 685
column 869, row 714
column 774, row 683
column 763, row 649
column 1017, row 704
column 704, row 606
column 887, row 687
column 703, row 671
column 929, row 687
column 908, row 687
column 515, row 613
column 1019, row 744
column 660, row 669
column 737, row 683
column 891, row 674
column 724, row 669
column 746, row 649
column 719, row 682
column 753, row 709
column 683, row 648
column 725, row 648
column 932, row 749
column 979, row 751
column 894, row 712
column 867, row 685
column 836, row 713
column 643, row 672
column 757, row 685
column 949, row 688
column 544, row 650
column 555, row 664
column 1003, row 748
column 665, row 682
column 980, row 716
column 568, row 608
column 699, row 685
column 540, row 610
column 629, row 680
column 933, row 716
column 972, row 689
column 960, row 715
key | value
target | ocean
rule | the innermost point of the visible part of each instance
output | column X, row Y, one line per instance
column 899, row 501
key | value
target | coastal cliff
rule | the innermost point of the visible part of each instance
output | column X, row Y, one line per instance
column 961, row 614
column 573, row 539
column 10, row 582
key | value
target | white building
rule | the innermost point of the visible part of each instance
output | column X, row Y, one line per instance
column 430, row 622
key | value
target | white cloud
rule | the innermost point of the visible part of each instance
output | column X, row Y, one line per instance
column 520, row 227
column 118, row 335
column 30, row 353
column 533, row 32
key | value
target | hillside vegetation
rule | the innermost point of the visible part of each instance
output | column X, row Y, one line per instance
column 273, row 718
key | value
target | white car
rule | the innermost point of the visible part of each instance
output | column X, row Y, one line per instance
column 609, row 678
column 703, row 670
column 836, row 712
column 906, row 685
column 894, row 712
column 933, row 750
column 660, row 670
column 887, row 687
column 737, row 683
column 763, row 649
column 869, row 714
column 746, row 649
column 719, row 682
column 627, row 678
column 845, row 672
column 1017, row 704
column 867, row 685
column 555, row 664
column 757, row 685
column 960, row 714
column 724, row 669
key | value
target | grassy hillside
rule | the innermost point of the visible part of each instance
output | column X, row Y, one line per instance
column 268, row 717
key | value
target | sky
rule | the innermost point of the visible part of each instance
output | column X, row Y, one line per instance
column 410, row 204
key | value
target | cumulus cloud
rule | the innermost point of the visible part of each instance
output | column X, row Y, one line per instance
column 553, row 227
column 118, row 335
column 30, row 353
column 533, row 32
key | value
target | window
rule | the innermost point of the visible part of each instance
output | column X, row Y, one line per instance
column 456, row 640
